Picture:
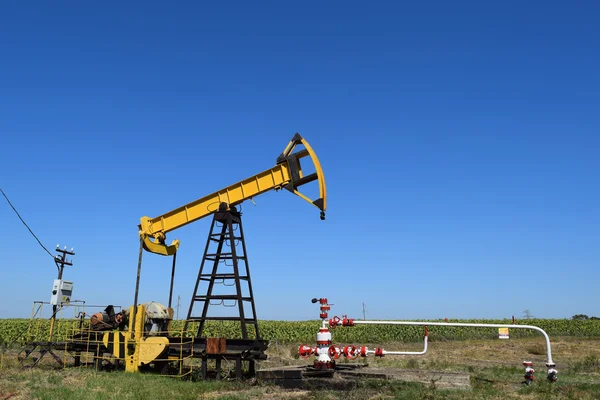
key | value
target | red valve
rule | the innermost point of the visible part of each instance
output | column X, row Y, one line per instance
column 323, row 300
column 334, row 352
column 305, row 351
column 333, row 322
column 351, row 352
column 379, row 352
column 347, row 321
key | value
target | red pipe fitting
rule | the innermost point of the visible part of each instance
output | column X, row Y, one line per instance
column 334, row 322
column 379, row 352
column 363, row 351
column 305, row 351
column 529, row 371
column 347, row 321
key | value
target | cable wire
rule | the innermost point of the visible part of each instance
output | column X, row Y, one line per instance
column 19, row 215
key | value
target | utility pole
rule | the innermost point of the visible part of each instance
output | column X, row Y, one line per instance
column 364, row 312
column 61, row 261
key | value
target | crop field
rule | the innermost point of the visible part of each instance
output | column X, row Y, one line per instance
column 493, row 365
column 21, row 330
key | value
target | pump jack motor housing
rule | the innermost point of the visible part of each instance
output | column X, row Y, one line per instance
column 286, row 174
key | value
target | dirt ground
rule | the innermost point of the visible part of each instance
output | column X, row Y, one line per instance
column 450, row 355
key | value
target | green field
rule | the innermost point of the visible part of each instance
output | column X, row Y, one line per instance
column 21, row 330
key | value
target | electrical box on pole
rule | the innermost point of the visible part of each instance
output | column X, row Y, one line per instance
column 61, row 292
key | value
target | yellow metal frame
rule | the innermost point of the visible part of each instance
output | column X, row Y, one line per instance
column 133, row 347
column 139, row 349
column 321, row 202
column 286, row 174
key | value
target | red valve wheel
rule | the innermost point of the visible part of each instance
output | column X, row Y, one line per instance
column 351, row 352
column 334, row 352
column 305, row 351
column 333, row 322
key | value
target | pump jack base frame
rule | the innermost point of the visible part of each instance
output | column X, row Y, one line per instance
column 42, row 348
column 346, row 376
column 237, row 351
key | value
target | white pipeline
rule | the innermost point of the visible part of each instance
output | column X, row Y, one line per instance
column 408, row 353
column 403, row 353
column 549, row 364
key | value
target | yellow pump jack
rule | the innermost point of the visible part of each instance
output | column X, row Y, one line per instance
column 136, row 345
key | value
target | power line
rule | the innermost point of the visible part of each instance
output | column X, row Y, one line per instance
column 19, row 215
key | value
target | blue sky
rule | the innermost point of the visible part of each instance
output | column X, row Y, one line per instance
column 459, row 142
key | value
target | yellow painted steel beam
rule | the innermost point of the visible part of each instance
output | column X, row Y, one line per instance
column 135, row 335
column 286, row 174
column 134, row 346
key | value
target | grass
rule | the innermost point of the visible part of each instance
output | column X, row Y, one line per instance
column 591, row 363
column 45, row 384
column 494, row 367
